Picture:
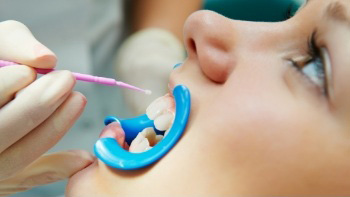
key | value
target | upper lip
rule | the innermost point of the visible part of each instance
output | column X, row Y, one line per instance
column 171, row 85
column 170, row 89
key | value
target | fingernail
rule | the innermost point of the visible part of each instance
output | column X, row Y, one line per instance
column 45, row 57
column 177, row 65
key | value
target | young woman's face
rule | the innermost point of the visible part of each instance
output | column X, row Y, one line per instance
column 270, row 115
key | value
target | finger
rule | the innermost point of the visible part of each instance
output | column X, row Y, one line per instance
column 19, row 45
column 42, row 138
column 33, row 105
column 13, row 79
column 47, row 169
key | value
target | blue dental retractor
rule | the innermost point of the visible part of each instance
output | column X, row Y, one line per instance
column 112, row 154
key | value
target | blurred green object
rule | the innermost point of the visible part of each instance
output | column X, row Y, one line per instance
column 254, row 10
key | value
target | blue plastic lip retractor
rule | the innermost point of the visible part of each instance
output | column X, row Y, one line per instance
column 112, row 154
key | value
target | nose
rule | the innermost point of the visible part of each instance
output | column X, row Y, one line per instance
column 216, row 42
column 209, row 40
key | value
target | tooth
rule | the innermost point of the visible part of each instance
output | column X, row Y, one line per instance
column 150, row 134
column 144, row 140
column 148, row 148
column 158, row 106
column 159, row 138
column 164, row 121
column 166, row 132
column 141, row 146
column 136, row 142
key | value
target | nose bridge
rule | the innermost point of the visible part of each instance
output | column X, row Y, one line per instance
column 210, row 28
column 218, row 43
column 255, row 36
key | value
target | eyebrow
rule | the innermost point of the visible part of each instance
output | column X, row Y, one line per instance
column 335, row 11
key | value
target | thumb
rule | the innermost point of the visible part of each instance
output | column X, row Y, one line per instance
column 19, row 45
column 47, row 169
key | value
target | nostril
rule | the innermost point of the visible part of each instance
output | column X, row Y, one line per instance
column 192, row 45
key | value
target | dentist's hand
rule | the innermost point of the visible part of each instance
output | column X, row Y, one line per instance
column 34, row 114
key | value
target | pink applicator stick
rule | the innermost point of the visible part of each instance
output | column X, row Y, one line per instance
column 85, row 77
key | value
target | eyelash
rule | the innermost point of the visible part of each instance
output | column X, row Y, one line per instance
column 315, row 57
column 312, row 46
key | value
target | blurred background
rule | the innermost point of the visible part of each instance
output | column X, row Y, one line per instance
column 85, row 35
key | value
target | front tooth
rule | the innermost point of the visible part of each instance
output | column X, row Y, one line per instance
column 136, row 142
column 159, row 138
column 142, row 146
column 158, row 106
column 144, row 140
column 150, row 134
column 164, row 121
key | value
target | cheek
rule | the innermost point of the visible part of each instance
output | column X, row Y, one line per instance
column 251, row 124
column 275, row 135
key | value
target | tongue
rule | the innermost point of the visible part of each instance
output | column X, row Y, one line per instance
column 114, row 130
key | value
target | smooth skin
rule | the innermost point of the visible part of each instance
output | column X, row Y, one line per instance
column 258, row 125
column 35, row 114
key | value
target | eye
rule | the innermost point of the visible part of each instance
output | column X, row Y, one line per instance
column 317, row 68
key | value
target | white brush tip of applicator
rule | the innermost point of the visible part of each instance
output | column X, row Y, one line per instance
column 148, row 92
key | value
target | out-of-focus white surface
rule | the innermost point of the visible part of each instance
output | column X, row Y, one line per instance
column 84, row 34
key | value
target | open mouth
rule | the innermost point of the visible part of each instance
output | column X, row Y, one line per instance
column 150, row 136
column 161, row 111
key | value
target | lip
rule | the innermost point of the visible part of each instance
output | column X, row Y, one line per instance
column 175, row 78
column 171, row 85
column 114, row 130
